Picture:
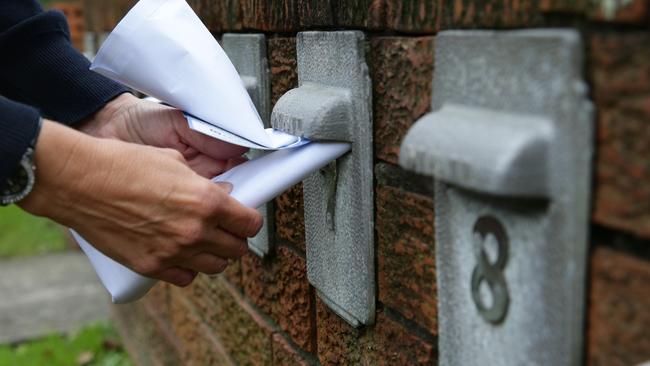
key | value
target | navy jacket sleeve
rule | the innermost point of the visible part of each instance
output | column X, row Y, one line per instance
column 41, row 74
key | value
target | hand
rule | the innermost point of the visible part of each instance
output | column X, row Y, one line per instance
column 140, row 205
column 131, row 119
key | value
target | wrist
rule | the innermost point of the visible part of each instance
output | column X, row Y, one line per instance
column 62, row 155
column 102, row 123
column 21, row 182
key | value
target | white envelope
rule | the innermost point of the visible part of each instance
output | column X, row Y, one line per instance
column 161, row 48
column 254, row 183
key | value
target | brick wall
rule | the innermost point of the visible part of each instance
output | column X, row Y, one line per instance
column 265, row 311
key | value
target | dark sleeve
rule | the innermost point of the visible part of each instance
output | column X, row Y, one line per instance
column 18, row 124
column 39, row 66
column 40, row 69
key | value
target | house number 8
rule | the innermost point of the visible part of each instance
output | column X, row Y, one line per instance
column 489, row 289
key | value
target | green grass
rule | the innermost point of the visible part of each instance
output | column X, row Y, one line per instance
column 94, row 345
column 22, row 234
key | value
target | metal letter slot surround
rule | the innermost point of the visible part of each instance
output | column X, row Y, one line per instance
column 333, row 102
column 510, row 146
column 248, row 53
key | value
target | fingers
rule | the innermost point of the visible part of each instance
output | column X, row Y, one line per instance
column 223, row 244
column 206, row 263
column 236, row 218
column 229, row 214
column 180, row 277
column 235, row 161
column 206, row 166
column 216, row 149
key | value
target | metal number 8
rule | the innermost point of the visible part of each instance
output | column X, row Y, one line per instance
column 491, row 273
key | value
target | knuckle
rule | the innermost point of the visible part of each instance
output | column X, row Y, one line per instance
column 175, row 154
column 147, row 267
column 217, row 265
column 192, row 233
column 253, row 224
column 171, row 251
column 221, row 266
column 183, row 281
column 206, row 201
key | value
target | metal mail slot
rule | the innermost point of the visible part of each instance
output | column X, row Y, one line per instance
column 333, row 102
column 248, row 54
column 509, row 144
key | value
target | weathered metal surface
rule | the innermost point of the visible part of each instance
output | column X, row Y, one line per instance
column 248, row 53
column 333, row 102
column 510, row 145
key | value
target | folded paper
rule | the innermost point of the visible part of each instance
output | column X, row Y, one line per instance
column 162, row 49
column 254, row 183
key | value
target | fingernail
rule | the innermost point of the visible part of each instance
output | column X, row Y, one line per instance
column 226, row 186
column 188, row 278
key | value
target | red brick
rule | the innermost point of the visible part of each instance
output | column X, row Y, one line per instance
column 338, row 342
column 219, row 16
column 157, row 300
column 103, row 15
column 315, row 13
column 416, row 16
column 618, row 331
column 289, row 216
column 412, row 15
column 258, row 281
column 632, row 11
column 405, row 247
column 280, row 288
column 286, row 355
column 295, row 305
column 282, row 64
column 233, row 273
column 564, row 6
column 269, row 15
column 401, row 70
column 390, row 343
column 489, row 13
column 147, row 339
column 199, row 345
column 290, row 224
column 620, row 73
column 244, row 334
column 369, row 14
